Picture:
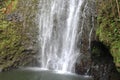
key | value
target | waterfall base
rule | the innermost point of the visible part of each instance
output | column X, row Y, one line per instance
column 40, row 74
column 45, row 69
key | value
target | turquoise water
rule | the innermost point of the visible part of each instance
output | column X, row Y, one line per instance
column 39, row 75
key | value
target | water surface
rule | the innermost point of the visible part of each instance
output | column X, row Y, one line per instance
column 39, row 75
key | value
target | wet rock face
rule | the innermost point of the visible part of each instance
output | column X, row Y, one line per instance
column 26, row 15
column 83, row 67
column 102, row 65
column 88, row 21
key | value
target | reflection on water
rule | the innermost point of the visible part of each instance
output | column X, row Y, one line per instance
column 39, row 75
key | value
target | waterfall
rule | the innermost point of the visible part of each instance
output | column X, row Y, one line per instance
column 58, row 34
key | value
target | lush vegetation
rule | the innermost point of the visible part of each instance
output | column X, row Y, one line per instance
column 11, row 37
column 108, row 22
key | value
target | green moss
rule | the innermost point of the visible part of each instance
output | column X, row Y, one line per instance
column 109, row 27
column 13, row 34
column 10, row 41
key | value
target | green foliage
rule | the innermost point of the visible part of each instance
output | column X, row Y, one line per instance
column 10, row 42
column 16, row 36
column 10, row 46
column 109, row 27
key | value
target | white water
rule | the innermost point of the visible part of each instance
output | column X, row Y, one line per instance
column 58, row 30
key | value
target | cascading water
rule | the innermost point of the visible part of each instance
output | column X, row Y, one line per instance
column 58, row 34
column 58, row 25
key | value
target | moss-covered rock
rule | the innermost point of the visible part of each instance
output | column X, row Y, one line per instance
column 17, row 32
column 108, row 22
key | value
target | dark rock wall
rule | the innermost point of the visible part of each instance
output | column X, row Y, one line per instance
column 102, row 67
column 88, row 21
